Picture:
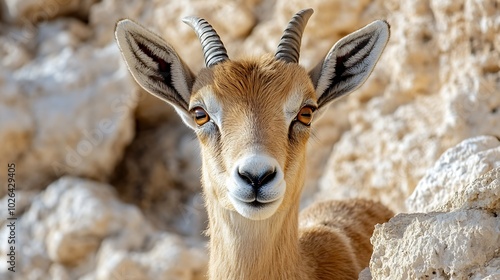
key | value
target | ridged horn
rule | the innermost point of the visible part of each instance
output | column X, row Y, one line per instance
column 289, row 47
column 213, row 48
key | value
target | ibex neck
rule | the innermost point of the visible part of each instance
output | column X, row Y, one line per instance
column 246, row 249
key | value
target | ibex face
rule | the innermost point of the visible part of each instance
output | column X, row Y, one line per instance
column 252, row 117
column 253, row 122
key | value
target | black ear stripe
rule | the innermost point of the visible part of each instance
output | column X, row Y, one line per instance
column 155, row 66
column 349, row 63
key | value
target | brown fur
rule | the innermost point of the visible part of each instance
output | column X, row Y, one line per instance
column 333, row 242
column 336, row 235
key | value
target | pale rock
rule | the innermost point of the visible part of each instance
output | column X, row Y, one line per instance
column 58, row 272
column 166, row 256
column 33, row 11
column 66, row 223
column 459, row 236
column 458, row 245
column 483, row 193
column 451, row 177
column 78, row 228
column 14, row 54
column 69, row 111
column 172, row 258
column 104, row 15
column 119, row 265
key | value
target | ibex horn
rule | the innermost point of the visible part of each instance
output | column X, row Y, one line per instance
column 213, row 48
column 289, row 47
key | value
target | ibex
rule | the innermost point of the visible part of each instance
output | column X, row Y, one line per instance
column 253, row 118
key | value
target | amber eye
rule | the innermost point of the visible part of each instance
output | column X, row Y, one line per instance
column 200, row 116
column 305, row 115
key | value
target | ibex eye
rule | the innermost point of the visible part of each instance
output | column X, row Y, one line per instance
column 200, row 116
column 305, row 115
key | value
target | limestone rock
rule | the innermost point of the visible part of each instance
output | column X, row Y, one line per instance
column 459, row 237
column 75, row 220
column 483, row 193
column 451, row 177
column 32, row 11
column 459, row 245
column 69, row 111
column 166, row 257
column 14, row 54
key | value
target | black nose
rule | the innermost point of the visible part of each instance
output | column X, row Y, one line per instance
column 257, row 180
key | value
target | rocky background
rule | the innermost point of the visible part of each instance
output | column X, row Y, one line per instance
column 107, row 177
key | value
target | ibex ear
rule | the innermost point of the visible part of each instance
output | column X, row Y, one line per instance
column 349, row 63
column 156, row 66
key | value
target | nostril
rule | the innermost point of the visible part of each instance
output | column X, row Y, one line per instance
column 267, row 177
column 257, row 180
column 247, row 177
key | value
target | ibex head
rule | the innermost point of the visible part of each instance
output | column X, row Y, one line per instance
column 252, row 116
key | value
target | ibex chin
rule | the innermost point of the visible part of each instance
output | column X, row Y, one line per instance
column 253, row 119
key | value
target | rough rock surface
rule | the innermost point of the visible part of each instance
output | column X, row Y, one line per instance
column 452, row 174
column 455, row 245
column 69, row 111
column 458, row 236
column 483, row 193
column 32, row 11
column 78, row 228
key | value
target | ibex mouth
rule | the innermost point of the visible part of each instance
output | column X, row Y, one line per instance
column 259, row 201
column 257, row 204
column 255, row 210
column 262, row 202
column 246, row 194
